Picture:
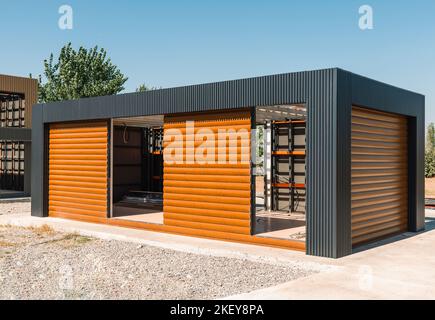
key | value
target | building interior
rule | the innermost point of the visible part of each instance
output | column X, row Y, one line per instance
column 280, row 172
column 138, row 169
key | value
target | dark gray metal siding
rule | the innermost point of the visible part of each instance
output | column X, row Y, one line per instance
column 284, row 88
column 328, row 94
column 38, row 185
column 322, row 166
column 342, row 91
column 16, row 134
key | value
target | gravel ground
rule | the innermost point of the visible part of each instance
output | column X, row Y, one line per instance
column 39, row 263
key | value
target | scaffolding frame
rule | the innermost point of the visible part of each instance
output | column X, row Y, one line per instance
column 295, row 155
column 12, row 115
column 153, row 155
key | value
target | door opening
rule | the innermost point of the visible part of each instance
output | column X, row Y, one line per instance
column 280, row 172
column 137, row 169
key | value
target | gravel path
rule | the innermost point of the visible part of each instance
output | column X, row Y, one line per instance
column 39, row 263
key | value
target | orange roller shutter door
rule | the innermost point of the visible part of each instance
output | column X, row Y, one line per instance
column 379, row 175
column 78, row 171
column 215, row 197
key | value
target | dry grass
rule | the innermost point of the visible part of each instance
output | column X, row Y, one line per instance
column 44, row 230
column 6, row 244
column 40, row 231
column 79, row 239
column 69, row 240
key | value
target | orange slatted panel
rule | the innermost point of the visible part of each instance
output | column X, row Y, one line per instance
column 78, row 171
column 379, row 175
column 212, row 197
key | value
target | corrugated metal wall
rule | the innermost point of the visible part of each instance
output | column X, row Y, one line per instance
column 78, row 175
column 323, row 175
column 213, row 196
column 379, row 175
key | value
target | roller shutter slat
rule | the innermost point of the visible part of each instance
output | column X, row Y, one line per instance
column 208, row 205
column 213, row 198
column 78, row 173
column 208, row 178
column 207, row 185
column 207, row 226
column 207, row 212
column 73, row 199
column 77, row 141
column 208, row 192
column 205, row 170
column 208, row 219
column 368, row 210
column 79, row 157
column 76, row 184
column 70, row 210
column 91, row 135
column 76, row 195
column 377, row 214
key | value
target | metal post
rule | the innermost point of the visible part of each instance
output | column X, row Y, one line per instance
column 291, row 162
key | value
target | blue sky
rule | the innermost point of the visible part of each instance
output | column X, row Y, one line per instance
column 173, row 43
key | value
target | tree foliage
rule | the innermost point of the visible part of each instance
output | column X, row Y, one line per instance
column 430, row 137
column 143, row 88
column 429, row 167
column 79, row 74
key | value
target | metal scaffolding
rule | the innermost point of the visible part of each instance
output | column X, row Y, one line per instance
column 12, row 115
column 288, row 153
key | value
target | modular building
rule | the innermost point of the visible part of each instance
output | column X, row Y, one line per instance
column 320, row 161
column 17, row 96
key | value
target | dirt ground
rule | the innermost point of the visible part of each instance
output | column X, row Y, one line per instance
column 430, row 187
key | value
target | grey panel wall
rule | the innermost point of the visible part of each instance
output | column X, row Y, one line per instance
column 38, row 183
column 325, row 213
column 343, row 98
column 16, row 134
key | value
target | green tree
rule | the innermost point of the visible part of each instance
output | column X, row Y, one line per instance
column 430, row 137
column 79, row 74
column 429, row 164
column 144, row 88
column 260, row 146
